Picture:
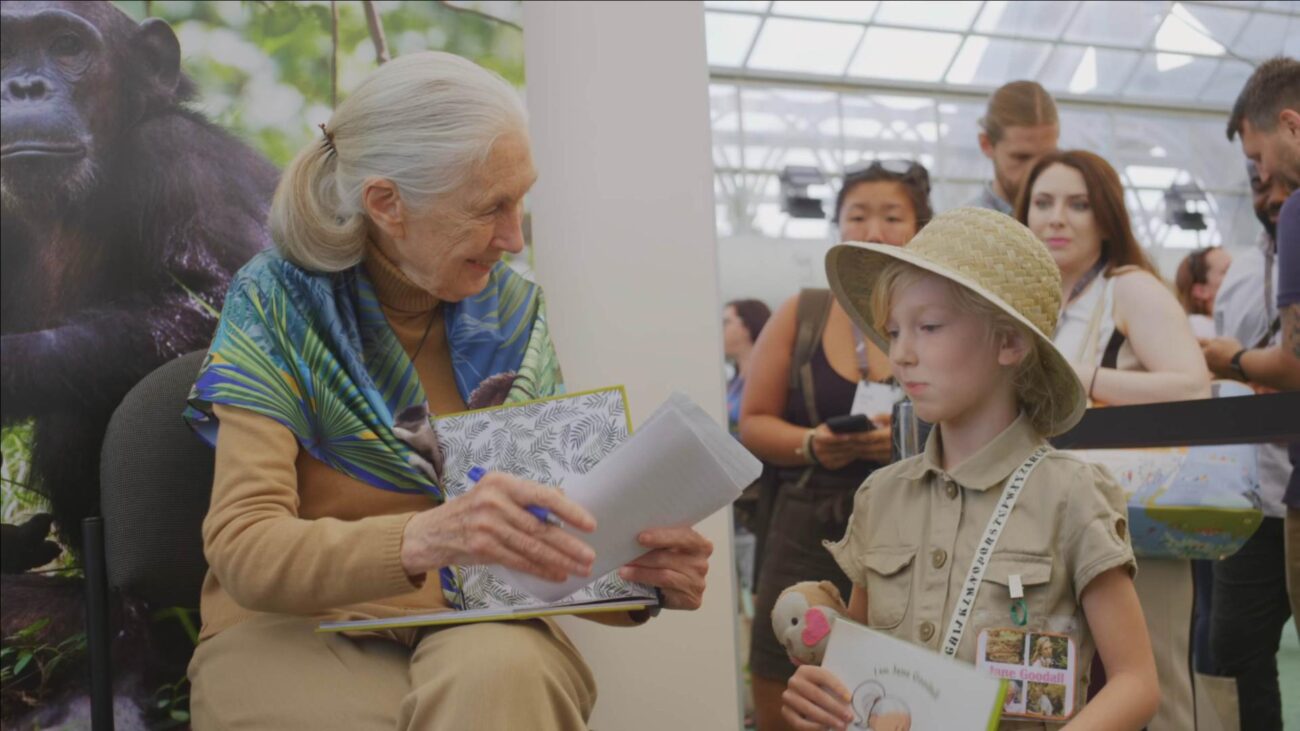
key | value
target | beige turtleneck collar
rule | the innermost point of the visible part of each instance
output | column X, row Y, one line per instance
column 394, row 289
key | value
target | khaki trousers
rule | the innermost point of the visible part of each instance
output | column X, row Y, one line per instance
column 1164, row 587
column 276, row 672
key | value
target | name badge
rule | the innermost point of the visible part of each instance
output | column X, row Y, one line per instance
column 1040, row 670
column 873, row 399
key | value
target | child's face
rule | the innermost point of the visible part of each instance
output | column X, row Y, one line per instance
column 945, row 357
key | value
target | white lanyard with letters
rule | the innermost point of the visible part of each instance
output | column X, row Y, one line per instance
column 970, row 589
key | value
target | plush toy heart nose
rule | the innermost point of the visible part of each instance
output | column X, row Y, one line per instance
column 815, row 627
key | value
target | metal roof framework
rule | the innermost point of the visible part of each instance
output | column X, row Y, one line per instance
column 817, row 83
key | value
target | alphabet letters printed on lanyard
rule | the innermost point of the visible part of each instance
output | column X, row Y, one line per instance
column 975, row 576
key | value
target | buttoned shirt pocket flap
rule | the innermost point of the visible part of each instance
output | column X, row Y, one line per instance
column 889, row 585
column 1032, row 569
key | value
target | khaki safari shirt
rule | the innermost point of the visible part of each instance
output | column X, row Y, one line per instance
column 915, row 528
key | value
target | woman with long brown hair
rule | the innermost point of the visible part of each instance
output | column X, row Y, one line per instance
column 1129, row 340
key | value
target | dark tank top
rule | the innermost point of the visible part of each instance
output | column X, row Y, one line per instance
column 833, row 394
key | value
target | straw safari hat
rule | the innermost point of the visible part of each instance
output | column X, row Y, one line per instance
column 992, row 255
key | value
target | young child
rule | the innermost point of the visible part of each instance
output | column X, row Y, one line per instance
column 964, row 311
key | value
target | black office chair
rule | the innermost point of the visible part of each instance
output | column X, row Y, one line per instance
column 155, row 481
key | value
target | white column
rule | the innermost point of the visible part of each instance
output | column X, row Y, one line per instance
column 625, row 250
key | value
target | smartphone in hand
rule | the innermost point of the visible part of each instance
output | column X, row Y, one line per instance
column 850, row 424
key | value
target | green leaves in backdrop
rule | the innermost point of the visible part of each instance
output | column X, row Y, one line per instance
column 263, row 68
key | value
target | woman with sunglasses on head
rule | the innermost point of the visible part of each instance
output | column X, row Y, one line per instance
column 809, row 366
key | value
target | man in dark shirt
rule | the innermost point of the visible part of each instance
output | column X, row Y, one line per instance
column 1288, row 303
column 1267, row 118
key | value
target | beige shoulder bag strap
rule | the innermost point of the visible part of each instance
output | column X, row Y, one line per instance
column 814, row 309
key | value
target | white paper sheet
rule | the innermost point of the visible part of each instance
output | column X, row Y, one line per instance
column 674, row 471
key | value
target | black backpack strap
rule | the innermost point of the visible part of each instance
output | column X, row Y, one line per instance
column 1110, row 358
column 814, row 309
column 1272, row 331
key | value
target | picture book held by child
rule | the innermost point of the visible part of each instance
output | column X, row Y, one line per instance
column 898, row 686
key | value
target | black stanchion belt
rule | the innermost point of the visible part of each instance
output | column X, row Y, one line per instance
column 1271, row 417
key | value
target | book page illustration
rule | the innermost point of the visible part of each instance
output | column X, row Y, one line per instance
column 899, row 686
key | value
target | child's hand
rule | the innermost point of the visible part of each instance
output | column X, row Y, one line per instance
column 815, row 700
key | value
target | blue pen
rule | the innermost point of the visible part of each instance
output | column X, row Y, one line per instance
column 476, row 473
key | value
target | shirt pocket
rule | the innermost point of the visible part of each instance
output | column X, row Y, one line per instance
column 1035, row 574
column 889, row 585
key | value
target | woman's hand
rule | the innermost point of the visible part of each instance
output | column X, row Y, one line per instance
column 815, row 700
column 678, row 564
column 877, row 445
column 489, row 525
column 837, row 450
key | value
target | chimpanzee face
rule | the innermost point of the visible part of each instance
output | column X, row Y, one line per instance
column 73, row 76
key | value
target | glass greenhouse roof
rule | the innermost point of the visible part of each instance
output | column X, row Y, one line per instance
column 1186, row 53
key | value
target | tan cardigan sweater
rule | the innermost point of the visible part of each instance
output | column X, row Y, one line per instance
column 287, row 534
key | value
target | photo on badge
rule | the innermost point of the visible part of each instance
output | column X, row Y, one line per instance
column 1006, row 646
column 1014, row 702
column 1040, row 669
column 1050, row 651
column 1045, row 699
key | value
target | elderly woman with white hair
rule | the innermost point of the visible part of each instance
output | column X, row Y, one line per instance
column 386, row 297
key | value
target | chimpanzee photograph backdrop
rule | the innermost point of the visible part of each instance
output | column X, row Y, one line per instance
column 141, row 143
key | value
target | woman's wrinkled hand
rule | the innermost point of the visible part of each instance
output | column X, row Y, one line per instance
column 837, row 450
column 677, row 564
column 814, row 700
column 490, row 525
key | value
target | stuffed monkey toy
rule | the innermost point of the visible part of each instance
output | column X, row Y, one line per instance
column 802, row 619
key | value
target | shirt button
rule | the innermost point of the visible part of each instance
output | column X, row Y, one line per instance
column 927, row 631
column 952, row 490
column 939, row 557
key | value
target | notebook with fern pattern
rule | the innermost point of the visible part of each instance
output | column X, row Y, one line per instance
column 547, row 441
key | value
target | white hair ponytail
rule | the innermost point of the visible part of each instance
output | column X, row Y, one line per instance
column 423, row 121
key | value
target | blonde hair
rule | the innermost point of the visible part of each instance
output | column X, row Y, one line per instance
column 422, row 121
column 1030, row 380
column 1018, row 104
column 1043, row 648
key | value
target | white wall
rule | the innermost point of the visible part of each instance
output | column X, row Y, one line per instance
column 624, row 236
column 769, row 269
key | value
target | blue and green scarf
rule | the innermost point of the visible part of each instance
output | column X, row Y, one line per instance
column 315, row 353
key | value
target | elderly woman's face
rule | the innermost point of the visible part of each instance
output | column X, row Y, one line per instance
column 449, row 249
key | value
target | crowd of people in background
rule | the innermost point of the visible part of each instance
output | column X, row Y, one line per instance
column 1132, row 338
